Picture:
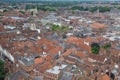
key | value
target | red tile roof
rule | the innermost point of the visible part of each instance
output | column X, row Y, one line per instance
column 105, row 77
column 84, row 43
column 9, row 20
column 80, row 54
column 55, row 50
column 97, row 58
column 48, row 57
column 69, row 51
column 80, row 42
column 85, row 47
column 45, row 66
column 88, row 39
column 72, row 39
column 38, row 60
column 98, row 25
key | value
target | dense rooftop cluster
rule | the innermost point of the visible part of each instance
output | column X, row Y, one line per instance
column 58, row 45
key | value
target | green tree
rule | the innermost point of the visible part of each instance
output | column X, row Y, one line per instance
column 2, row 70
column 79, row 8
column 106, row 46
column 59, row 28
column 95, row 48
column 4, row 10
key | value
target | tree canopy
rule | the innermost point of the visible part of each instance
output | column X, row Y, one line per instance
column 95, row 48
column 106, row 46
column 2, row 70
column 92, row 9
column 40, row 7
column 59, row 28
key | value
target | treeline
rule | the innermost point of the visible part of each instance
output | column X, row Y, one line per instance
column 40, row 7
column 59, row 3
column 51, row 6
column 62, row 3
column 92, row 9
column 118, row 7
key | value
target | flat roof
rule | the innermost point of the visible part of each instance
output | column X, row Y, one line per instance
column 56, row 69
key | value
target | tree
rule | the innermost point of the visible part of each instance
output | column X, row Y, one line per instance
column 92, row 9
column 106, row 46
column 4, row 11
column 80, row 8
column 59, row 28
column 95, row 48
column 2, row 70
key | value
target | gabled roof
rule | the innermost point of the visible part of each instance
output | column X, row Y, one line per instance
column 69, row 51
column 38, row 60
column 71, row 39
column 97, row 58
column 98, row 25
column 55, row 50
column 8, row 19
column 80, row 54
column 105, row 77
column 45, row 66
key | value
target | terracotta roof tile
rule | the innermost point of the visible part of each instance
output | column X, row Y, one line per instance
column 97, row 58
column 98, row 25
column 68, row 58
column 38, row 60
column 55, row 50
column 48, row 57
column 81, row 42
column 81, row 54
column 85, row 47
column 115, row 52
column 72, row 39
column 69, row 51
column 88, row 39
column 45, row 66
column 105, row 77
column 100, row 38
